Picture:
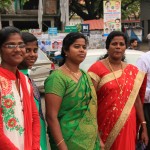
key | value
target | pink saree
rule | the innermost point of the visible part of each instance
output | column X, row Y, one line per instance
column 116, row 112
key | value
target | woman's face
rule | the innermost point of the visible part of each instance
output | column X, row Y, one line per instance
column 107, row 4
column 31, row 54
column 13, row 51
column 117, row 48
column 77, row 51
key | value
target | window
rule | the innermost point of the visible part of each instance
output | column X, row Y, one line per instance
column 30, row 5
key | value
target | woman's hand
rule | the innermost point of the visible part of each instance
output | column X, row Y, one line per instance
column 141, row 118
column 63, row 147
column 144, row 136
column 102, row 145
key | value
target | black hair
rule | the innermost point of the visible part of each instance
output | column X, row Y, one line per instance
column 117, row 19
column 107, row 2
column 69, row 40
column 28, row 37
column 132, row 40
column 6, row 32
column 110, row 38
column 114, row 34
column 56, row 42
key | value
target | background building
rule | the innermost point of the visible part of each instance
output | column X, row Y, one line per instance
column 145, row 17
column 25, row 16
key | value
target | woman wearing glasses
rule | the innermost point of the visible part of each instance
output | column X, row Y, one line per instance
column 19, row 119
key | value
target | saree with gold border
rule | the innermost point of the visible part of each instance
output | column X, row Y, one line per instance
column 116, row 112
column 78, row 111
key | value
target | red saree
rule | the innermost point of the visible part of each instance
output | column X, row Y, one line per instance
column 113, row 106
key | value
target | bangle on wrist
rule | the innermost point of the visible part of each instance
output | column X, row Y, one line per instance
column 59, row 142
column 143, row 122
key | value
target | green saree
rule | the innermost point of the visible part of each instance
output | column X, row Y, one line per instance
column 78, row 111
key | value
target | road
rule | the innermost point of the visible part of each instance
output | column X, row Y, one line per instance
column 43, row 109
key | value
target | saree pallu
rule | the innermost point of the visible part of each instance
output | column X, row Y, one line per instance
column 116, row 112
column 78, row 111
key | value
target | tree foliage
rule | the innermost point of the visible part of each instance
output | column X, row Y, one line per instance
column 4, row 4
column 131, row 8
column 93, row 9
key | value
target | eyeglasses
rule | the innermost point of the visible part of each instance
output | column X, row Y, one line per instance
column 11, row 46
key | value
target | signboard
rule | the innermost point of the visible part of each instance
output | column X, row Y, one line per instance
column 70, row 29
column 36, row 32
column 52, row 31
column 112, row 16
column 85, row 29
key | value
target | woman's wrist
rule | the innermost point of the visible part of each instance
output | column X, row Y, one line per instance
column 143, row 122
column 62, row 146
column 143, row 125
column 60, row 142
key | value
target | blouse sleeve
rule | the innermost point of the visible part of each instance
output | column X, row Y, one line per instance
column 94, row 72
column 55, row 84
column 5, row 143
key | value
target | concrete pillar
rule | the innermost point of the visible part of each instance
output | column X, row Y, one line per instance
column 52, row 22
column 145, row 28
column 11, row 22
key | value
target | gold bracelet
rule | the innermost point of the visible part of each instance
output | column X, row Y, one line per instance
column 143, row 122
column 59, row 142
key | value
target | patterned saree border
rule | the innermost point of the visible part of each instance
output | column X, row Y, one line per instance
column 109, row 78
column 95, row 77
column 126, row 111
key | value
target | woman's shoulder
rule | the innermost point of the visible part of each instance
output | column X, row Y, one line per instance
column 133, row 68
column 96, row 65
column 56, row 74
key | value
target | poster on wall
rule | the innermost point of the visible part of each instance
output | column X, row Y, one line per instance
column 56, row 45
column 44, row 45
column 112, row 16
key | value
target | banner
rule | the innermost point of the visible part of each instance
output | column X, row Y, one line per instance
column 36, row 32
column 112, row 16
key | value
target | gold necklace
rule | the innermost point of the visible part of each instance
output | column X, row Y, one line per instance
column 121, row 88
column 74, row 74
